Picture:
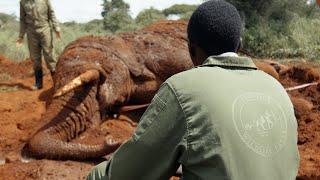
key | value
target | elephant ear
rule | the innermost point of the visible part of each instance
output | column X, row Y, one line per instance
column 125, row 52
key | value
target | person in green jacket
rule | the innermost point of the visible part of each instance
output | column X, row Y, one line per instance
column 223, row 119
column 38, row 20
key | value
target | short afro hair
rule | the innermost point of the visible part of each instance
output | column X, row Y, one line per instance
column 215, row 26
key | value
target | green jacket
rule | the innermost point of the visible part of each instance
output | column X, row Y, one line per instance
column 37, row 15
column 222, row 120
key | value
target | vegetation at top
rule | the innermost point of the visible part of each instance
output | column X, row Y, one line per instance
column 271, row 28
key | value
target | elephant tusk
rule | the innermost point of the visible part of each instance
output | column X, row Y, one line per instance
column 88, row 76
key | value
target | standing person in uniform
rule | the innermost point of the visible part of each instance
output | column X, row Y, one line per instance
column 224, row 119
column 38, row 21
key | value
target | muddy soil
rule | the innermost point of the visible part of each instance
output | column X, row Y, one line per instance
column 306, row 102
column 21, row 109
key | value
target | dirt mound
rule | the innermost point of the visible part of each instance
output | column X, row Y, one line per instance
column 307, row 109
column 303, row 74
column 301, row 106
column 17, row 70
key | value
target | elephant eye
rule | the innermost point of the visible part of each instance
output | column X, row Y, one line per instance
column 87, row 87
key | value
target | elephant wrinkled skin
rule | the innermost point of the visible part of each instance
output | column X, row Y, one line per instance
column 95, row 76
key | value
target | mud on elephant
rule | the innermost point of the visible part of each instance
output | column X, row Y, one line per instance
column 97, row 75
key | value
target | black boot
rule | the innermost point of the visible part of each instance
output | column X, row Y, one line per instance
column 39, row 79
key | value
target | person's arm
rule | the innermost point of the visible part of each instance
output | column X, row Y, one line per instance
column 52, row 18
column 157, row 147
column 23, row 25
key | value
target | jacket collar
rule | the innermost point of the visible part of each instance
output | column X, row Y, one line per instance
column 229, row 60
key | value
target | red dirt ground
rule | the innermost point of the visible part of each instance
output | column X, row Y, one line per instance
column 21, row 109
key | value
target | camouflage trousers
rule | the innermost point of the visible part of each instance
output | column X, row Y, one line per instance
column 41, row 44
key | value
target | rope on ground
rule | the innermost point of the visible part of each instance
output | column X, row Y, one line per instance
column 136, row 107
column 302, row 86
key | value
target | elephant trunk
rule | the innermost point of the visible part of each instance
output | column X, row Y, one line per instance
column 43, row 145
column 68, row 117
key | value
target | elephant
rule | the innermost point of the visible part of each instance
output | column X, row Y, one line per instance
column 98, row 75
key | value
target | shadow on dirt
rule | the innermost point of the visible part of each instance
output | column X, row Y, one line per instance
column 46, row 96
column 12, row 87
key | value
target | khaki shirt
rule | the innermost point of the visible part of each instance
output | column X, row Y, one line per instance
column 36, row 15
column 222, row 120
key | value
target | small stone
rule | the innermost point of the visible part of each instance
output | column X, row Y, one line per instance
column 302, row 141
column 311, row 159
column 23, row 139
column 11, row 157
column 308, row 120
column 20, row 126
column 68, row 163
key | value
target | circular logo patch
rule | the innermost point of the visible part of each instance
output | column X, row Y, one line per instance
column 261, row 123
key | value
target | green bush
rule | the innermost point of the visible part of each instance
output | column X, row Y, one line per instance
column 5, row 18
column 149, row 16
column 300, row 39
column 8, row 47
column 179, row 9
column 116, row 15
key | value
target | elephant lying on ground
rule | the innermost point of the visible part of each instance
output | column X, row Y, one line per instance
column 95, row 76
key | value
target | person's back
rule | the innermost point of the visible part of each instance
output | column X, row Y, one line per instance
column 224, row 119
column 240, row 120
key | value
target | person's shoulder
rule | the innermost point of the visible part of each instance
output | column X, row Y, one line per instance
column 185, row 73
column 183, row 79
